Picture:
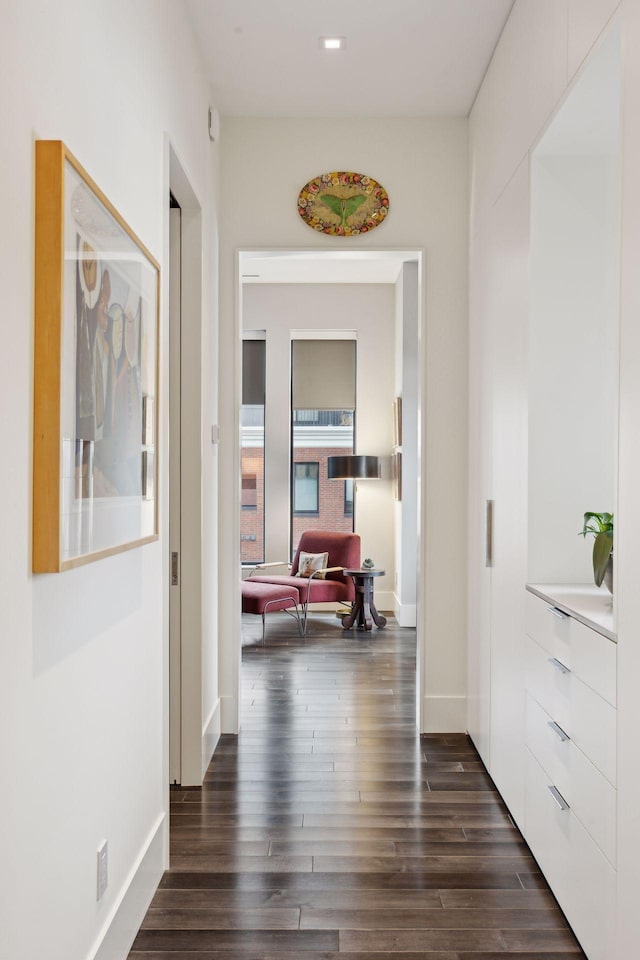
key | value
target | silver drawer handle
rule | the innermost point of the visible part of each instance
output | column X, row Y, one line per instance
column 560, row 614
column 559, row 799
column 558, row 665
column 557, row 729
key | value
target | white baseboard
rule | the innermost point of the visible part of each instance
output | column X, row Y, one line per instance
column 405, row 613
column 210, row 736
column 228, row 715
column 124, row 920
column 383, row 600
column 445, row 714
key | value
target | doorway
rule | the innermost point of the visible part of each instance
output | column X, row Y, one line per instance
column 310, row 268
column 184, row 573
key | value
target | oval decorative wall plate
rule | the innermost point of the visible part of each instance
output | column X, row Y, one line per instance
column 343, row 204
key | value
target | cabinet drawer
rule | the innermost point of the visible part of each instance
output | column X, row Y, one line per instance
column 587, row 653
column 590, row 795
column 582, row 880
column 588, row 719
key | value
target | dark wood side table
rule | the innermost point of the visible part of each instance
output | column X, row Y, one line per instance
column 363, row 608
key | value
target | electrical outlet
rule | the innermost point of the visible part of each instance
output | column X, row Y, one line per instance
column 103, row 869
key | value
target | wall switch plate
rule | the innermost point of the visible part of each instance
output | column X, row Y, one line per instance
column 103, row 869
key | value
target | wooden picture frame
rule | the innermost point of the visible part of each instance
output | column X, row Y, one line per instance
column 97, row 294
column 397, row 422
column 396, row 475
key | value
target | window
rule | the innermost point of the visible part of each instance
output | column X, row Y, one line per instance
column 249, row 492
column 348, row 498
column 323, row 399
column 317, row 435
column 306, row 488
column 252, row 456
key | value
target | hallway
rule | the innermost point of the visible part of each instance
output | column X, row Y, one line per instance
column 328, row 828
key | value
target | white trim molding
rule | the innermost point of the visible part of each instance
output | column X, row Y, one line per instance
column 445, row 714
column 229, row 707
column 405, row 613
column 125, row 918
column 210, row 736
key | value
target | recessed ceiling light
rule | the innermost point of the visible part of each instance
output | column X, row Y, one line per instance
column 333, row 43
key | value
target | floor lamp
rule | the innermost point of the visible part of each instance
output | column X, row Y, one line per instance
column 354, row 467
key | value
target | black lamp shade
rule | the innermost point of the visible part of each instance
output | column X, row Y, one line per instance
column 353, row 468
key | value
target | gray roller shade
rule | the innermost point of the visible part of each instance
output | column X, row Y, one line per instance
column 324, row 375
column 253, row 371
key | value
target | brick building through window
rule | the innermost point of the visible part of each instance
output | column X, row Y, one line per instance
column 317, row 503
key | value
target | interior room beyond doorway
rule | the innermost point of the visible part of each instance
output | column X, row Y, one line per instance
column 374, row 298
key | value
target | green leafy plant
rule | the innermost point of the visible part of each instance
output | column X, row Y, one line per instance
column 601, row 526
column 343, row 208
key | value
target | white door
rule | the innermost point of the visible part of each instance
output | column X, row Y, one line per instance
column 508, row 337
column 480, row 503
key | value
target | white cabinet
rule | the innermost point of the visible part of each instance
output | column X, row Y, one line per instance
column 588, row 719
column 570, row 737
column 553, row 703
column 571, row 745
column 587, row 791
column 580, row 876
column 552, row 621
column 498, row 455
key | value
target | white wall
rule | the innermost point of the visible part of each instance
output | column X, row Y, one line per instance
column 366, row 309
column 574, row 281
column 573, row 368
column 423, row 166
column 84, row 675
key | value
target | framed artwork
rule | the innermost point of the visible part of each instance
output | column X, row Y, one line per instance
column 396, row 475
column 96, row 372
column 148, row 474
column 397, row 422
column 343, row 204
column 147, row 421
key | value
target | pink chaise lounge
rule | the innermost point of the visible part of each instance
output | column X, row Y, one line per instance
column 344, row 552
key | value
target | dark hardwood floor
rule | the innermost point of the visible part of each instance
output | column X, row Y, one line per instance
column 330, row 829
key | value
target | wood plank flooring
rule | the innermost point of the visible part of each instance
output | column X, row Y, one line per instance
column 329, row 829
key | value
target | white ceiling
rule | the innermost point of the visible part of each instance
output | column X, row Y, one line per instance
column 404, row 58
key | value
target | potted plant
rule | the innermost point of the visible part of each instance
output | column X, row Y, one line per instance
column 601, row 526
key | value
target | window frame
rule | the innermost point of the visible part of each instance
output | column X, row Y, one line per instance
column 348, row 501
column 306, row 463
column 254, row 515
column 254, row 477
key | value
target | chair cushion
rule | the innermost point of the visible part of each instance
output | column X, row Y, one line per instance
column 343, row 550
column 256, row 595
column 322, row 591
column 309, row 563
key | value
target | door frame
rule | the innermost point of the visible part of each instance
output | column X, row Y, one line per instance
column 230, row 650
column 175, row 499
column 189, row 442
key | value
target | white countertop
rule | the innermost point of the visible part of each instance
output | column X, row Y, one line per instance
column 585, row 602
